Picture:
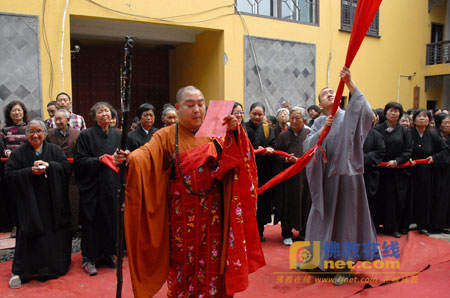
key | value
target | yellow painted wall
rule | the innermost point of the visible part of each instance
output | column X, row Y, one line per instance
column 405, row 28
column 199, row 64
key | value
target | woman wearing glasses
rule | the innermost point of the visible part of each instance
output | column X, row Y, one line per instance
column 238, row 112
column 38, row 174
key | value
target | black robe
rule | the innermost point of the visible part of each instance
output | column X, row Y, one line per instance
column 139, row 137
column 277, row 130
column 422, row 176
column 5, row 224
column 393, row 190
column 440, row 204
column 43, row 244
column 374, row 151
column 98, row 185
column 295, row 196
column 265, row 168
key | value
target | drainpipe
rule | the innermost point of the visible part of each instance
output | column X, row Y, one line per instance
column 62, row 45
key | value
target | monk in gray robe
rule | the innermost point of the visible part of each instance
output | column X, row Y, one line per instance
column 340, row 217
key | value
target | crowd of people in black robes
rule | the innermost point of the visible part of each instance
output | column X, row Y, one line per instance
column 402, row 194
column 398, row 195
column 37, row 178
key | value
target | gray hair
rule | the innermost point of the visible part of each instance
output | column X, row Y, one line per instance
column 168, row 108
column 97, row 106
column 182, row 90
column 281, row 110
column 299, row 109
column 65, row 112
column 39, row 122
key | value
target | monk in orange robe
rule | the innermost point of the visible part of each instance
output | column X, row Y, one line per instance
column 190, row 208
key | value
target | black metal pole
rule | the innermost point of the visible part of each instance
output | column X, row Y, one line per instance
column 125, row 106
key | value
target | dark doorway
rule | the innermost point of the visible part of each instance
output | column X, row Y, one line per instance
column 431, row 104
column 437, row 32
column 96, row 77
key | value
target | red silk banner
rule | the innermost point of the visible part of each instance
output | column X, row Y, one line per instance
column 277, row 152
column 406, row 164
column 365, row 12
column 4, row 159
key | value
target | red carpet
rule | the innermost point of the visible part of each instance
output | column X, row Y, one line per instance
column 425, row 260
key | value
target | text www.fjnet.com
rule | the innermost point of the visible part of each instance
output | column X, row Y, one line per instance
column 350, row 279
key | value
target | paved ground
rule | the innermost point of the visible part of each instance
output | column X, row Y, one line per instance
column 423, row 272
column 7, row 246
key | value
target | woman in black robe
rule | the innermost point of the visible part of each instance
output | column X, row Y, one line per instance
column 282, row 122
column 427, row 145
column 295, row 196
column 145, row 130
column 98, row 185
column 392, row 194
column 374, row 151
column 440, row 205
column 262, row 136
column 38, row 174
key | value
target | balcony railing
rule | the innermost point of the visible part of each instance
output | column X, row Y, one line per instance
column 438, row 52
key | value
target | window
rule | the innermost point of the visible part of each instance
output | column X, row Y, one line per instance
column 304, row 11
column 299, row 10
column 348, row 9
column 259, row 7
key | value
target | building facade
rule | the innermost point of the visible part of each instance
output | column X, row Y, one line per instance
column 244, row 50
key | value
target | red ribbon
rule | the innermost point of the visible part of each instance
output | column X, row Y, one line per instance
column 406, row 164
column 365, row 12
column 277, row 152
column 5, row 159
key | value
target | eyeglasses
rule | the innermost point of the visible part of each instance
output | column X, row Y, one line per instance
column 37, row 132
column 238, row 113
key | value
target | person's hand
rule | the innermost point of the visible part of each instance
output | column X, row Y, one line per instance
column 231, row 122
column 269, row 150
column 412, row 162
column 8, row 153
column 430, row 160
column 391, row 164
column 100, row 158
column 347, row 78
column 120, row 156
column 39, row 167
column 345, row 74
column 291, row 159
column 329, row 121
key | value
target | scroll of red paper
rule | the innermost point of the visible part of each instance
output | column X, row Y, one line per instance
column 212, row 125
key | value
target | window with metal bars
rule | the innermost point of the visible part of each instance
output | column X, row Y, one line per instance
column 303, row 11
column 348, row 9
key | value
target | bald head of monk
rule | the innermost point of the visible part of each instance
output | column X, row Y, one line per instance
column 191, row 108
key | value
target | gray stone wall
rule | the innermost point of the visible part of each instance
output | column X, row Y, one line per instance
column 20, row 70
column 287, row 70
